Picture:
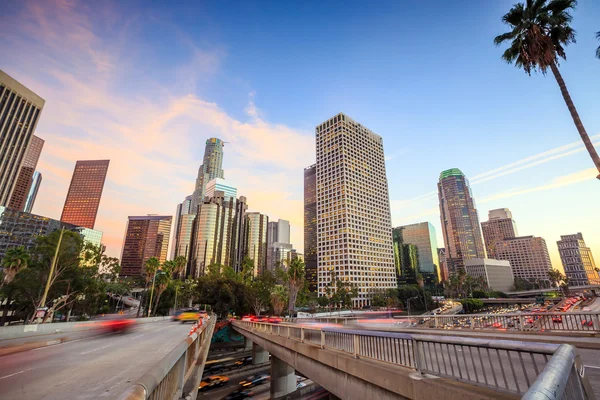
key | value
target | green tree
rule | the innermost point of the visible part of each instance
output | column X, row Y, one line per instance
column 540, row 31
column 598, row 49
column 295, row 277
column 163, row 279
column 260, row 291
column 150, row 267
column 247, row 269
column 179, row 263
column 278, row 299
column 15, row 259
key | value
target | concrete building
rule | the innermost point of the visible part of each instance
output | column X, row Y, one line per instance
column 25, row 178
column 577, row 260
column 178, row 249
column 219, row 184
column 85, row 191
column 444, row 273
column 528, row 256
column 20, row 110
column 278, row 243
column 239, row 233
column 460, row 223
column 19, row 228
column 498, row 274
column 310, row 227
column 423, row 236
column 145, row 237
column 211, row 168
column 499, row 226
column 36, row 182
column 354, row 229
column 256, row 240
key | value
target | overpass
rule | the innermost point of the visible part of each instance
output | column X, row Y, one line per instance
column 572, row 289
column 361, row 364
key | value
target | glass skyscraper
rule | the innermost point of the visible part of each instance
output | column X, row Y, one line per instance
column 256, row 242
column 219, row 184
column 36, row 181
column 25, row 179
column 145, row 237
column 423, row 237
column 211, row 168
column 310, row 226
column 460, row 223
column 183, row 208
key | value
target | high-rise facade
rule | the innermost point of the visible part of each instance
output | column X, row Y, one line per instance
column 211, row 168
column 497, row 274
column 444, row 272
column 528, row 256
column 423, row 236
column 219, row 184
column 354, row 230
column 20, row 110
column 577, row 260
column 256, row 240
column 145, row 237
column 36, row 182
column 278, row 243
column 460, row 223
column 85, row 192
column 183, row 208
column 499, row 226
column 25, row 178
column 310, row 227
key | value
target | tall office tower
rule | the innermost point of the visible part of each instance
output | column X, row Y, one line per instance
column 499, row 226
column 20, row 110
column 528, row 256
column 444, row 273
column 278, row 243
column 219, row 184
column 423, row 236
column 211, row 168
column 577, row 260
column 460, row 223
column 85, row 192
column 238, row 248
column 256, row 240
column 24, row 180
column 36, row 181
column 183, row 208
column 354, row 238
column 310, row 227
column 145, row 237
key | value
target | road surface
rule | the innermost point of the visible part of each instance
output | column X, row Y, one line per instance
column 100, row 367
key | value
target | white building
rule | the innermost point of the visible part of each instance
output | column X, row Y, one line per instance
column 354, row 230
column 498, row 274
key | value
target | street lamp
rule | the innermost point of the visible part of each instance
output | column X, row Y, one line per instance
column 152, row 291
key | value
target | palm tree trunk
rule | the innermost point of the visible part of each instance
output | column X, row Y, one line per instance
column 575, row 115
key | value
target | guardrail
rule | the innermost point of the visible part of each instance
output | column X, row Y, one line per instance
column 507, row 366
column 178, row 374
column 539, row 322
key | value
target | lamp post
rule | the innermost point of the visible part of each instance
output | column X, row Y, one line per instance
column 151, row 293
column 52, row 268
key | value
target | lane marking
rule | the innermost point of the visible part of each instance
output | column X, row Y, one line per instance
column 99, row 348
column 138, row 336
column 56, row 344
column 16, row 373
column 591, row 366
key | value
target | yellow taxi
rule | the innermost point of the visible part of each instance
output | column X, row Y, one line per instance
column 212, row 382
column 190, row 315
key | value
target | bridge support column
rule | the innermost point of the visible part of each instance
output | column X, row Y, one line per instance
column 247, row 344
column 283, row 378
column 259, row 355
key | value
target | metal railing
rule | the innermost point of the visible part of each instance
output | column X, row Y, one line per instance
column 177, row 371
column 507, row 366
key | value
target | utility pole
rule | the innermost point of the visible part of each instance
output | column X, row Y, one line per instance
column 151, row 293
column 52, row 267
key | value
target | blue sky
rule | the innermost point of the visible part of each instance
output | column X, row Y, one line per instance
column 145, row 83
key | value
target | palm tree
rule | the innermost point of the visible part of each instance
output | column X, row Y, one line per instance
column 540, row 30
column 14, row 260
column 295, row 278
column 163, row 278
column 598, row 49
column 150, row 267
column 179, row 264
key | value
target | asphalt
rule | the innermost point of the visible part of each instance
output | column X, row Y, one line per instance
column 99, row 367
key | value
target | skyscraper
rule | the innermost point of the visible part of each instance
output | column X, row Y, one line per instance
column 577, row 260
column 423, row 236
column 145, row 237
column 528, row 256
column 278, row 243
column 499, row 226
column 219, row 184
column 36, row 182
column 20, row 110
column 85, row 192
column 444, row 273
column 183, row 208
column 211, row 168
column 310, row 226
column 354, row 235
column 24, row 180
column 460, row 223
column 256, row 240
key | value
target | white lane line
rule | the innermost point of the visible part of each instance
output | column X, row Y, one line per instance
column 592, row 366
column 91, row 351
column 56, row 344
column 138, row 336
column 16, row 373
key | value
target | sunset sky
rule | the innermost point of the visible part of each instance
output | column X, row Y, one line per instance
column 145, row 85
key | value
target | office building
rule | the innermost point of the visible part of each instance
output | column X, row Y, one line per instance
column 577, row 260
column 145, row 237
column 310, row 227
column 256, row 240
column 36, row 182
column 85, row 192
column 444, row 272
column 239, row 243
column 183, row 208
column 528, row 256
column 25, row 178
column 20, row 111
column 211, row 168
column 499, row 226
column 278, row 243
column 354, row 230
column 460, row 223
column 406, row 259
column 497, row 274
column 219, row 184
column 423, row 236
column 19, row 228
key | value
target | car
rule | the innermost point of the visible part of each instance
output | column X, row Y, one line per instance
column 255, row 380
column 238, row 394
column 244, row 361
column 274, row 320
column 300, row 385
column 189, row 316
column 118, row 324
column 176, row 315
column 212, row 382
column 557, row 319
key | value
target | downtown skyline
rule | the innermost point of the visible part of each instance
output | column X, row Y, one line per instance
column 153, row 127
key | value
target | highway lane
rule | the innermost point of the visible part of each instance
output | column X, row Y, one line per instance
column 99, row 367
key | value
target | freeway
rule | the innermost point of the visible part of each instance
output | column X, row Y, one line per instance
column 99, row 367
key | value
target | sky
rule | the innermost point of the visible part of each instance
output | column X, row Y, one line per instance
column 144, row 84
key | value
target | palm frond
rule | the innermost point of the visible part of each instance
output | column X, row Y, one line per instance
column 598, row 49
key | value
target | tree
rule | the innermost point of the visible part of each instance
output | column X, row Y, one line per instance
column 179, row 264
column 150, row 267
column 163, row 278
column 247, row 269
column 278, row 299
column 540, row 31
column 260, row 291
column 295, row 277
column 598, row 49
column 15, row 259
